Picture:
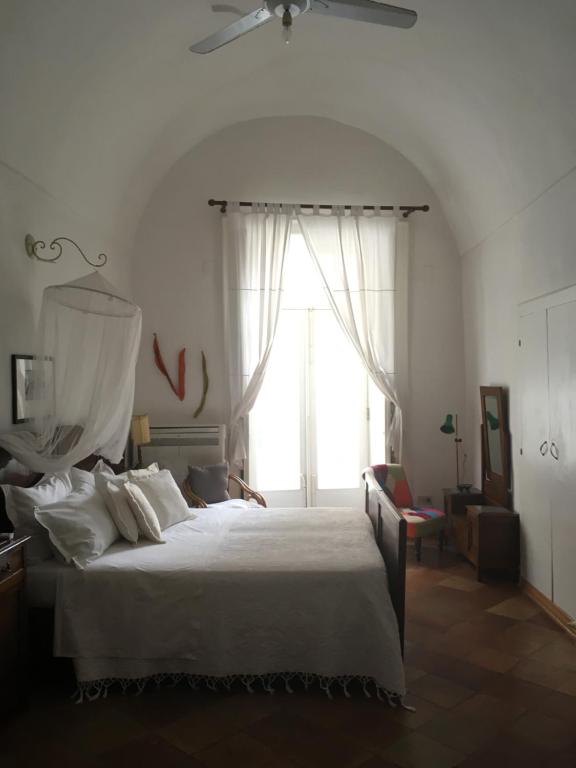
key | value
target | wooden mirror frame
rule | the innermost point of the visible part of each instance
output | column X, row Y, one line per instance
column 496, row 487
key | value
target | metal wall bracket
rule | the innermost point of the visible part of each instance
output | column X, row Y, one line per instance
column 32, row 247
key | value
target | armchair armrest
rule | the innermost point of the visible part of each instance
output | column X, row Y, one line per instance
column 247, row 492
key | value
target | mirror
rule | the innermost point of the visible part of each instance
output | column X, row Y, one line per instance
column 492, row 422
column 495, row 446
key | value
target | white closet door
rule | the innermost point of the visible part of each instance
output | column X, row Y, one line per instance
column 534, row 460
column 562, row 387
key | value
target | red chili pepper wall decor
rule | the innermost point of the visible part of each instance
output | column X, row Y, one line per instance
column 180, row 390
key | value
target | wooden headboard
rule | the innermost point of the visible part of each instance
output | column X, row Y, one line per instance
column 390, row 531
column 87, row 464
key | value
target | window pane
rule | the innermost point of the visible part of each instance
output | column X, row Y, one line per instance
column 339, row 399
column 377, row 426
column 275, row 433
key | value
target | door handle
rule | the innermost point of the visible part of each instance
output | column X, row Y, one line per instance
column 554, row 451
column 544, row 448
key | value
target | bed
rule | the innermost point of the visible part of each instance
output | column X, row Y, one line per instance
column 264, row 596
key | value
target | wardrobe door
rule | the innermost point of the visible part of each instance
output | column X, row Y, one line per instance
column 534, row 460
column 562, row 404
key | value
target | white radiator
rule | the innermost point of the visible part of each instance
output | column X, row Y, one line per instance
column 176, row 447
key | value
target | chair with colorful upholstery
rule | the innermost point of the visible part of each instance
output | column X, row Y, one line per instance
column 421, row 521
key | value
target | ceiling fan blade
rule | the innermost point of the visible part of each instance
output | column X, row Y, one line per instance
column 232, row 31
column 366, row 10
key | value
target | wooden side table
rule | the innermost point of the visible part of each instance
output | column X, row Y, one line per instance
column 13, row 636
column 493, row 540
column 455, row 503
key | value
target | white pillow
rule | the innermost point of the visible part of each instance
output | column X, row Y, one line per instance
column 20, row 504
column 79, row 526
column 117, row 504
column 101, row 466
column 152, row 469
column 146, row 518
column 165, row 497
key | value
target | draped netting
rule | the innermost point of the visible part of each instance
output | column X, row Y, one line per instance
column 79, row 389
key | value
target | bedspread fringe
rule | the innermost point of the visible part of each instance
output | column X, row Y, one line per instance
column 96, row 689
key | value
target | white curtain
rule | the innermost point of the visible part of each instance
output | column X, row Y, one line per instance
column 78, row 391
column 356, row 255
column 254, row 249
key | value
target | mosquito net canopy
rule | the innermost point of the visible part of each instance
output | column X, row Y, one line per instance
column 78, row 390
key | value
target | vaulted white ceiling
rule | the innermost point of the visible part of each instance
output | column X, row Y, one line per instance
column 98, row 98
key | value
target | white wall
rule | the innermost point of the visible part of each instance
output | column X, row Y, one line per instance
column 533, row 254
column 26, row 207
column 302, row 159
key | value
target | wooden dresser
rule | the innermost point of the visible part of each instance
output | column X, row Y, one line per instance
column 13, row 636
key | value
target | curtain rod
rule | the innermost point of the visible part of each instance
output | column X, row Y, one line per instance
column 407, row 209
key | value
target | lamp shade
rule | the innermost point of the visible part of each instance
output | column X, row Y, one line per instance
column 448, row 426
column 140, row 430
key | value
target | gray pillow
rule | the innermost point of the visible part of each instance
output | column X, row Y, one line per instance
column 210, row 482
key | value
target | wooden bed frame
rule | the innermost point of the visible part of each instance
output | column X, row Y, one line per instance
column 389, row 530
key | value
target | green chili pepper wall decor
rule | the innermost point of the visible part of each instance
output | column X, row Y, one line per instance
column 205, row 385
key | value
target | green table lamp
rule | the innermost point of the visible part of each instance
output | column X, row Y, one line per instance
column 450, row 427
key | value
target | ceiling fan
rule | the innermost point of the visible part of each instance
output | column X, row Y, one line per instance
column 355, row 10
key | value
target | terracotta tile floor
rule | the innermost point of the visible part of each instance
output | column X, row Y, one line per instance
column 492, row 679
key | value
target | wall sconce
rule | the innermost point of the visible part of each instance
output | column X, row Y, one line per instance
column 32, row 247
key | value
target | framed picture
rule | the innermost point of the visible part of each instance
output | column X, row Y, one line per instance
column 32, row 386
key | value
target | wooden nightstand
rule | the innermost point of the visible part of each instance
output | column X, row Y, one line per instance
column 13, row 650
column 493, row 540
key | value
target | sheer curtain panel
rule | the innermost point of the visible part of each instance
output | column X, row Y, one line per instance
column 80, row 387
column 357, row 257
column 254, row 250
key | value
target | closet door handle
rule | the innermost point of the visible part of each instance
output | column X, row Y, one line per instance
column 554, row 451
column 544, row 448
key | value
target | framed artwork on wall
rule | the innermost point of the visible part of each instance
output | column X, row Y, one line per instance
column 32, row 384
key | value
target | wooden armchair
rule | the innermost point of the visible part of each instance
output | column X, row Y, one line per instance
column 245, row 493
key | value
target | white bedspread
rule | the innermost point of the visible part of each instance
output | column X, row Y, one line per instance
column 236, row 592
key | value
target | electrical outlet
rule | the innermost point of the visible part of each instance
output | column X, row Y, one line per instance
column 424, row 501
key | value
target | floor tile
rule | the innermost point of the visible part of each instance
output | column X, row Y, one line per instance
column 543, row 731
column 215, row 722
column 559, row 705
column 307, row 745
column 365, row 722
column 490, row 658
column 424, row 711
column 460, row 732
column 559, row 653
column 523, row 638
column 485, row 707
column 463, row 585
column 519, row 692
column 148, row 752
column 237, row 750
column 519, row 608
column 440, row 691
column 419, row 751
column 540, row 674
column 507, row 751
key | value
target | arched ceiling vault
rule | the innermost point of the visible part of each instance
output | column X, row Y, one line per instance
column 99, row 99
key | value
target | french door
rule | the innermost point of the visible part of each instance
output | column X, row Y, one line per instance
column 318, row 420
